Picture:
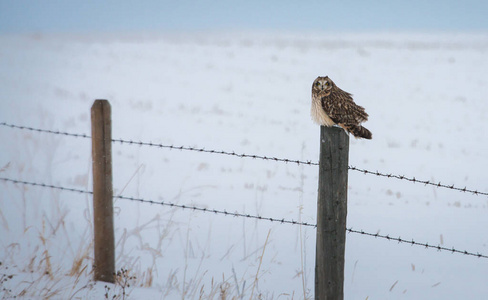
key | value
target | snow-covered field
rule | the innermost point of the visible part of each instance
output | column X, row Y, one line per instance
column 427, row 97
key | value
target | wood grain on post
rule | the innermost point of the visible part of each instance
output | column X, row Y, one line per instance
column 331, row 214
column 104, row 267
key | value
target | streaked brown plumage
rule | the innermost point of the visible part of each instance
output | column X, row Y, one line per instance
column 331, row 106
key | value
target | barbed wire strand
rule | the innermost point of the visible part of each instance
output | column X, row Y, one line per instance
column 236, row 214
column 262, row 157
column 44, row 130
column 170, row 204
column 412, row 242
column 414, row 180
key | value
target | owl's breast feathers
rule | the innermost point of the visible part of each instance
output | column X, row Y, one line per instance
column 319, row 114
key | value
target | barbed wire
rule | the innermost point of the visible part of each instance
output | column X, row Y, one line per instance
column 412, row 242
column 170, row 204
column 254, row 156
column 414, row 180
column 44, row 130
column 257, row 217
column 45, row 185
column 196, row 149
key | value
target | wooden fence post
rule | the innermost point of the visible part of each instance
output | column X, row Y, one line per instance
column 104, row 267
column 331, row 214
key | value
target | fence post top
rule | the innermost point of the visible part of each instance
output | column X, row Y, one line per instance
column 102, row 102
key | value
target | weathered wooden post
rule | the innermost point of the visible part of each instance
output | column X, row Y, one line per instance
column 104, row 267
column 331, row 214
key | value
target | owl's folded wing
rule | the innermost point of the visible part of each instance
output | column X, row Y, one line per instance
column 343, row 110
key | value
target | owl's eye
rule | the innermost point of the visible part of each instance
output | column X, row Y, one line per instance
column 317, row 83
column 326, row 83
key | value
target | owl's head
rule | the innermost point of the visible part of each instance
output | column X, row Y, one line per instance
column 322, row 86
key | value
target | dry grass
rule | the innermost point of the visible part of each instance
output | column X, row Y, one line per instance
column 260, row 262
column 39, row 265
column 44, row 274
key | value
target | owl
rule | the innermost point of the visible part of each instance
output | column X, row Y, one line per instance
column 333, row 106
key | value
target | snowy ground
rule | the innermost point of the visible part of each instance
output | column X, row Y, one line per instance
column 426, row 95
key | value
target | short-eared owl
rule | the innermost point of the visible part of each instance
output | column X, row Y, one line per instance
column 331, row 105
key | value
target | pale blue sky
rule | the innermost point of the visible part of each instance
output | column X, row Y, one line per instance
column 352, row 15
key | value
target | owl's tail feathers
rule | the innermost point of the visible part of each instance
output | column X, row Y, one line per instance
column 358, row 131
